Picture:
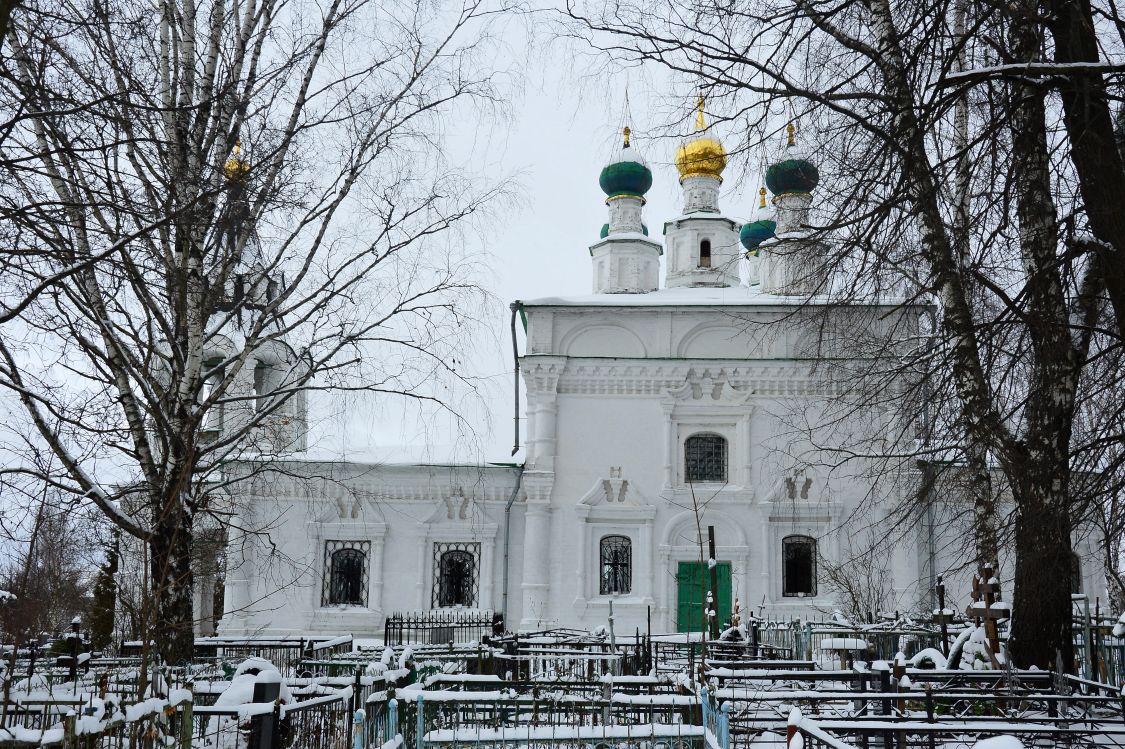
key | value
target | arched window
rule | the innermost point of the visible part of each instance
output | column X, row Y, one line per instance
column 213, row 374
column 1075, row 573
column 705, row 253
column 798, row 566
column 705, row 459
column 264, row 384
column 616, row 565
column 346, row 577
column 456, row 578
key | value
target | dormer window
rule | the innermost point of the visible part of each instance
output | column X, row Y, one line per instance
column 705, row 253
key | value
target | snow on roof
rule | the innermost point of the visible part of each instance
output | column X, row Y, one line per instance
column 632, row 236
column 710, row 215
column 730, row 296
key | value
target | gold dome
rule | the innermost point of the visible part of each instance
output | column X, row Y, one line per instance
column 702, row 156
column 236, row 167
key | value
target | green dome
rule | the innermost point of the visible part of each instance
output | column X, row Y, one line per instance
column 625, row 178
column 792, row 175
column 605, row 231
column 756, row 232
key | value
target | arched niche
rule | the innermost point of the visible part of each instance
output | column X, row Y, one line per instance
column 724, row 341
column 680, row 543
column 603, row 340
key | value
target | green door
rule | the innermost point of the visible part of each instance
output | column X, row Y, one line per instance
column 692, row 579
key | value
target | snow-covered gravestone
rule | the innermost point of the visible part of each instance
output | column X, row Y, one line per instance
column 255, row 688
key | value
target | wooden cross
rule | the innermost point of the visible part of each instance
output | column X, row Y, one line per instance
column 986, row 594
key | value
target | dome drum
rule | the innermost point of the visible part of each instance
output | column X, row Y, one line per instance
column 605, row 231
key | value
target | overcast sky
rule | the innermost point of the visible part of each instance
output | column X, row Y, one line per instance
column 564, row 125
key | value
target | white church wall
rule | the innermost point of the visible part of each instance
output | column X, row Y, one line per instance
column 764, row 449
column 397, row 517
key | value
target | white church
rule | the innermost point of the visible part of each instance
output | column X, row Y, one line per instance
column 656, row 408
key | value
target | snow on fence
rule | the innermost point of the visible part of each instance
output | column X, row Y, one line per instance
column 557, row 709
column 716, row 721
column 816, row 641
column 668, row 736
column 923, row 708
column 283, row 652
column 1108, row 660
column 431, row 730
column 441, row 626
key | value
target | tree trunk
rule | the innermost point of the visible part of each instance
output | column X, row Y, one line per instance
column 172, row 584
column 1041, row 608
column 985, row 541
column 1093, row 147
column 1039, row 466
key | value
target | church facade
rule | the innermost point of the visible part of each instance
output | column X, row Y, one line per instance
column 657, row 411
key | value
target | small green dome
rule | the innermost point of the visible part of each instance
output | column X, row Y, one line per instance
column 756, row 232
column 792, row 175
column 625, row 178
column 605, row 231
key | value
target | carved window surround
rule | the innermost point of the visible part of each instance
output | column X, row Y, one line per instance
column 614, row 507
column 708, row 402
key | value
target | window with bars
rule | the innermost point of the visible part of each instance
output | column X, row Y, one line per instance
column 345, row 573
column 705, row 459
column 798, row 566
column 456, row 579
column 616, row 565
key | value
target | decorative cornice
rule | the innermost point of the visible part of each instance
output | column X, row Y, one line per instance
column 372, row 487
column 658, row 378
column 541, row 373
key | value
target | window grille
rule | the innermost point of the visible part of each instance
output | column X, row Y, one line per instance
column 705, row 459
column 616, row 565
column 456, row 575
column 345, row 573
column 798, row 568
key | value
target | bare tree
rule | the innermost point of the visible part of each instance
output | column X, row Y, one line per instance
column 221, row 207
column 861, row 578
column 1019, row 293
column 46, row 572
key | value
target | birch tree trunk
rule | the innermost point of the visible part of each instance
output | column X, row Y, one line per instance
column 215, row 189
column 1089, row 122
